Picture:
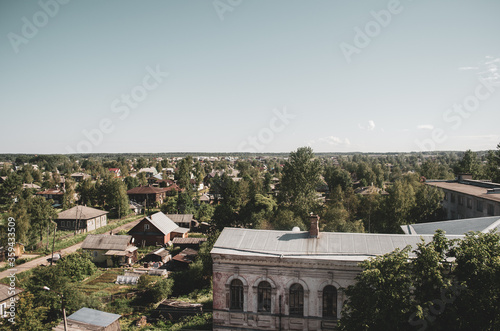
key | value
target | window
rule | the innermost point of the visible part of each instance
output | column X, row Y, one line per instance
column 461, row 200
column 236, row 295
column 445, row 196
column 264, row 297
column 296, row 300
column 469, row 203
column 479, row 205
column 146, row 227
column 330, row 302
column 491, row 210
column 452, row 198
column 63, row 223
column 95, row 253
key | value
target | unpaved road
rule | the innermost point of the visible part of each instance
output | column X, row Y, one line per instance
column 43, row 259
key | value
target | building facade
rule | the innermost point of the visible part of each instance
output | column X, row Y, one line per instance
column 468, row 198
column 289, row 280
column 81, row 219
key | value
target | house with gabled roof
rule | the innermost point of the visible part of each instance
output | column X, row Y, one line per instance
column 110, row 250
column 156, row 229
column 81, row 219
column 147, row 195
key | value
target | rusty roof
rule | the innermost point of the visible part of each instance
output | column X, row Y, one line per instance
column 469, row 189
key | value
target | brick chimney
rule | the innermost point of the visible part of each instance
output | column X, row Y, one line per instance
column 314, row 228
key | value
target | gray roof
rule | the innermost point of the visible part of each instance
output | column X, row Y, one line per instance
column 162, row 222
column 107, row 242
column 93, row 317
column 298, row 245
column 181, row 218
column 455, row 227
column 81, row 213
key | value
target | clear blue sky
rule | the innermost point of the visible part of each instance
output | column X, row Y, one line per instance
column 234, row 65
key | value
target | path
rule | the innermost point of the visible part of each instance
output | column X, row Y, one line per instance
column 43, row 260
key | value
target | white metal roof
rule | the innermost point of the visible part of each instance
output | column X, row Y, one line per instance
column 329, row 245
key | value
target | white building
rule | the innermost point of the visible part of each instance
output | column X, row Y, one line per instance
column 290, row 280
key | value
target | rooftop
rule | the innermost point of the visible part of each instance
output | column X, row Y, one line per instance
column 107, row 242
column 455, row 227
column 470, row 187
column 80, row 212
column 93, row 317
column 298, row 245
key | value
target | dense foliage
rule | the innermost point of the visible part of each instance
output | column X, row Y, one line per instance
column 403, row 291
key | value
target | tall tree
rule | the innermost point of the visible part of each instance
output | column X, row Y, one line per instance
column 41, row 213
column 301, row 176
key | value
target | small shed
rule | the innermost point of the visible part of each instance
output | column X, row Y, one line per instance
column 91, row 319
column 160, row 255
column 174, row 310
column 184, row 258
column 193, row 243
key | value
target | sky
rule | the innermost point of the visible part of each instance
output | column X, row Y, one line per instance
column 256, row 76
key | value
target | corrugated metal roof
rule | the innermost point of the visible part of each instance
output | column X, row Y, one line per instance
column 103, row 241
column 181, row 218
column 188, row 241
column 455, row 227
column 94, row 317
column 80, row 212
column 162, row 222
column 330, row 245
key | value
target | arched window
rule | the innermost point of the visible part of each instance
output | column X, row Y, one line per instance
column 236, row 298
column 330, row 302
column 296, row 300
column 264, row 297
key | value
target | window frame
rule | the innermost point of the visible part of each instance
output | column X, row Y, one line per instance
column 296, row 300
column 236, row 295
column 330, row 306
column 264, row 294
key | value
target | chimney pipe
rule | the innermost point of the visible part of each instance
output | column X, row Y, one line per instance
column 314, row 228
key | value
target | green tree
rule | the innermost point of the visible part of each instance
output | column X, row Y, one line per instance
column 27, row 315
column 469, row 164
column 428, row 290
column 69, row 194
column 301, row 176
column 335, row 176
column 76, row 266
column 41, row 213
column 115, row 198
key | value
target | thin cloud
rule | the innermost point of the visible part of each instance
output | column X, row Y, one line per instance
column 425, row 127
column 335, row 141
column 369, row 127
column 487, row 69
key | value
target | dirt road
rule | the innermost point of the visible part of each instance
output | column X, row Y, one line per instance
column 43, row 259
